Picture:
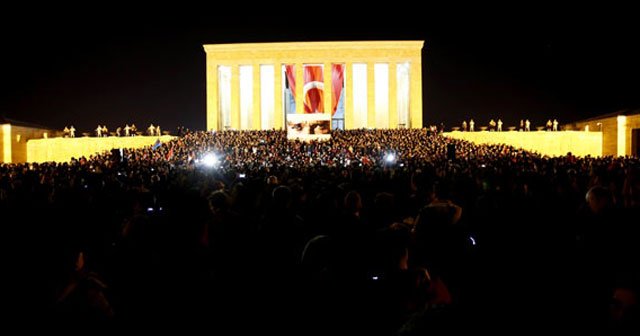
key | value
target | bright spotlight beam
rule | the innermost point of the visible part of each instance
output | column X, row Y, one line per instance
column 390, row 158
column 209, row 160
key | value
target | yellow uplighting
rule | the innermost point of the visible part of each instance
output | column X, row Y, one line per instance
column 6, row 132
column 546, row 143
column 378, row 91
column 622, row 139
column 63, row 149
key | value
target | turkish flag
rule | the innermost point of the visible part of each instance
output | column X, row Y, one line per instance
column 313, row 91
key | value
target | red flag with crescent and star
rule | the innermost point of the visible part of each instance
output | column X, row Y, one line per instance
column 313, row 90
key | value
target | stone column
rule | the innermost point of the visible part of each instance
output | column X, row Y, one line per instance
column 299, row 89
column 371, row 95
column 328, row 92
column 393, row 95
column 212, row 95
column 278, row 111
column 415, row 98
column 257, row 115
column 235, row 96
column 348, row 108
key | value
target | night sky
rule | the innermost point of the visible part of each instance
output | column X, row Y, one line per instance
column 121, row 65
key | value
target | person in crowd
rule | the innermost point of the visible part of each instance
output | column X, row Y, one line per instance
column 83, row 297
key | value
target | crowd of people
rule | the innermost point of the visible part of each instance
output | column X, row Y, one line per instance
column 370, row 232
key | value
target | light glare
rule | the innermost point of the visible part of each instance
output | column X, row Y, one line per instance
column 209, row 160
column 390, row 158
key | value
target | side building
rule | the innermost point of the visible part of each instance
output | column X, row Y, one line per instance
column 620, row 131
column 14, row 136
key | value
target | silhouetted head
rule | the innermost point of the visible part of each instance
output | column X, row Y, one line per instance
column 599, row 199
column 272, row 180
column 219, row 201
column 282, row 197
column 352, row 202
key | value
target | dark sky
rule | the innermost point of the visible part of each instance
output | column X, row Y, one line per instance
column 118, row 65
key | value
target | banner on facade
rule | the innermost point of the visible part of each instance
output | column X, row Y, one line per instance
column 308, row 127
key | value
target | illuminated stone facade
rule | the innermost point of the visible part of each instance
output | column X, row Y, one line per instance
column 382, row 83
